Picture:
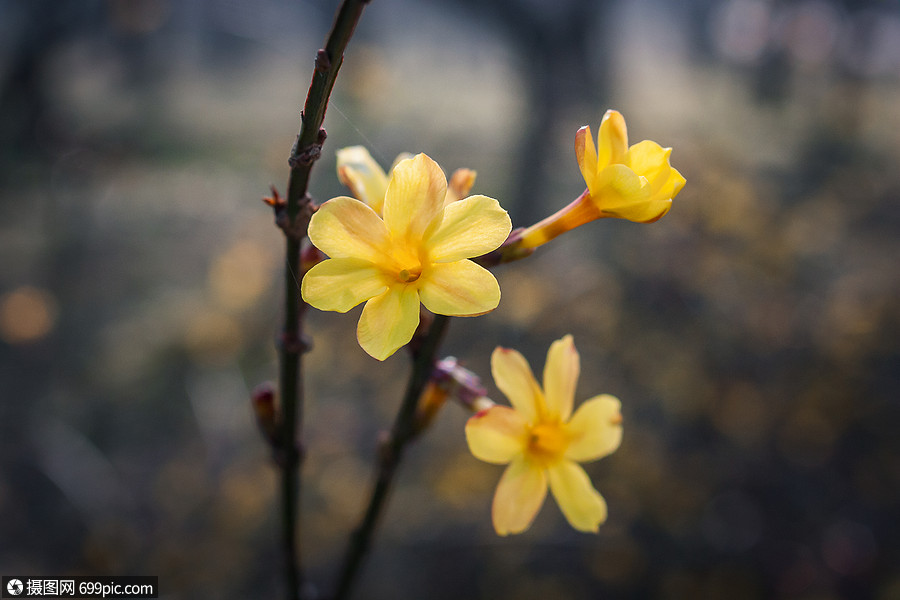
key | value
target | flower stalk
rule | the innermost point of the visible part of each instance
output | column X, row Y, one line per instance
column 580, row 211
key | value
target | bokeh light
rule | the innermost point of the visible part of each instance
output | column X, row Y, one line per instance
column 27, row 314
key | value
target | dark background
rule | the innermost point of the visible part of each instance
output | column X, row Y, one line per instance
column 751, row 334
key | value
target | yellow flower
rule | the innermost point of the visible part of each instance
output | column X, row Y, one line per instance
column 542, row 441
column 368, row 182
column 635, row 183
column 417, row 253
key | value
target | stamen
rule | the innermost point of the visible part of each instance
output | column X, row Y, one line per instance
column 547, row 440
column 406, row 276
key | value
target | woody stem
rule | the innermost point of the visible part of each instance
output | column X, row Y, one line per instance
column 402, row 432
column 295, row 220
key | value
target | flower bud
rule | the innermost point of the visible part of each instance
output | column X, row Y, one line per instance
column 267, row 410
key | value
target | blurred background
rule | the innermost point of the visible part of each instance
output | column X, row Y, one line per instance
column 752, row 334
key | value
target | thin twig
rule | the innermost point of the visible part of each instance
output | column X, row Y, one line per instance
column 293, row 217
column 402, row 433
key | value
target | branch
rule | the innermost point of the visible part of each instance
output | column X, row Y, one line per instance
column 292, row 216
column 403, row 431
column 308, row 146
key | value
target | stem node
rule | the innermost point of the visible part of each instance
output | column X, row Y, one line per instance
column 323, row 61
column 293, row 343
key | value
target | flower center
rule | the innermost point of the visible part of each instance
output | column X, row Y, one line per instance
column 547, row 441
column 409, row 275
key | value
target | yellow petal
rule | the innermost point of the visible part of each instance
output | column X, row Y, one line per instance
column 415, row 197
column 595, row 430
column 469, row 228
column 672, row 185
column 612, row 140
column 400, row 158
column 339, row 284
column 650, row 160
column 648, row 212
column 459, row 289
column 586, row 156
column 620, row 187
column 347, row 228
column 388, row 321
column 582, row 505
column 626, row 195
column 560, row 378
column 514, row 378
column 366, row 179
column 638, row 207
column 519, row 497
column 496, row 435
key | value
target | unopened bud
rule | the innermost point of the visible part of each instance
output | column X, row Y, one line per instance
column 430, row 403
column 461, row 181
column 267, row 410
column 482, row 403
column 448, row 380
column 310, row 256
column 461, row 384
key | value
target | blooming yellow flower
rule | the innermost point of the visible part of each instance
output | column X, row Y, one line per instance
column 417, row 253
column 368, row 181
column 542, row 441
column 635, row 183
